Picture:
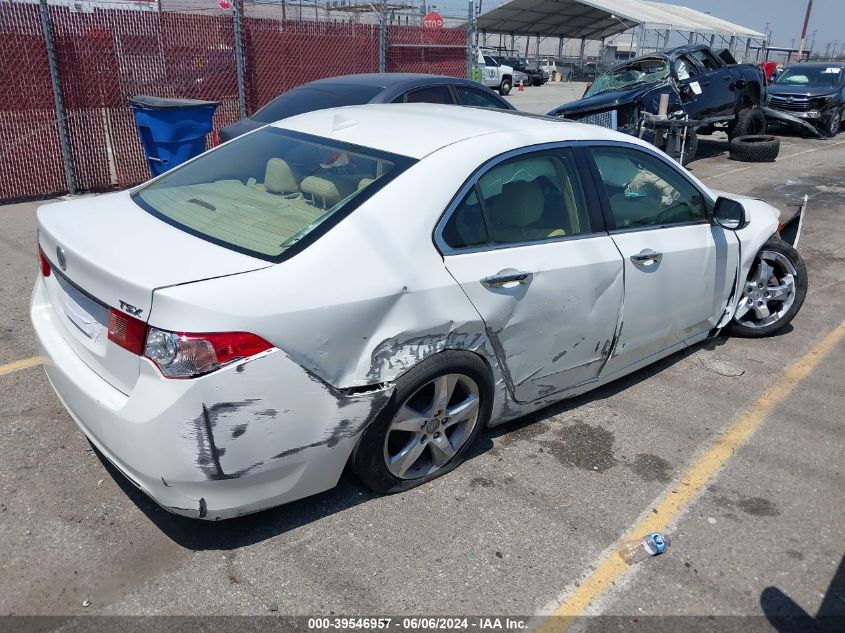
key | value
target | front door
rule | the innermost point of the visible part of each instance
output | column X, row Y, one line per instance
column 679, row 269
column 546, row 280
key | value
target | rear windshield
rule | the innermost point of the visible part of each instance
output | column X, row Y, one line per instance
column 310, row 98
column 271, row 192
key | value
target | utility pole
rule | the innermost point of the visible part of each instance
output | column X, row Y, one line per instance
column 804, row 30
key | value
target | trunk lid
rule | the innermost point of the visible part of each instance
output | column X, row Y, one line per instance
column 108, row 253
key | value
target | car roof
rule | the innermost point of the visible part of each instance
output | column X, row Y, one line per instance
column 382, row 80
column 418, row 129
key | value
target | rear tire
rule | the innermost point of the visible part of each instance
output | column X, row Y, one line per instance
column 505, row 87
column 417, row 437
column 772, row 295
column 755, row 149
column 748, row 122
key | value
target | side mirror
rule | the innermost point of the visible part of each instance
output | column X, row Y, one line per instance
column 729, row 214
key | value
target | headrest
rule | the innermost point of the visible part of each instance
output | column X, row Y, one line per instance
column 520, row 204
column 279, row 177
column 322, row 190
column 365, row 182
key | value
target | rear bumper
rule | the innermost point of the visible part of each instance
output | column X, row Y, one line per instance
column 247, row 437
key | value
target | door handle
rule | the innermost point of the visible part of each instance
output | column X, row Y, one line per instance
column 647, row 256
column 496, row 281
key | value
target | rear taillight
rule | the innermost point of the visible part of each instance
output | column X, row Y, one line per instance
column 127, row 331
column 215, row 138
column 184, row 355
column 45, row 264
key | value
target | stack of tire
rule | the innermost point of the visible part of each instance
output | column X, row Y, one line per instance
column 748, row 139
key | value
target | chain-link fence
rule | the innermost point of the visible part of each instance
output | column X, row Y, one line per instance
column 73, row 130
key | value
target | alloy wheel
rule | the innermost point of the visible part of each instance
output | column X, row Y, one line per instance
column 432, row 426
column 769, row 291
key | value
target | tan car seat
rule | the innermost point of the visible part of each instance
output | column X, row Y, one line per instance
column 514, row 212
column 279, row 178
column 324, row 192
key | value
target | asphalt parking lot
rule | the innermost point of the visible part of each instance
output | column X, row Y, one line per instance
column 529, row 523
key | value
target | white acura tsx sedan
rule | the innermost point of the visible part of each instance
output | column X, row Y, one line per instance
column 373, row 286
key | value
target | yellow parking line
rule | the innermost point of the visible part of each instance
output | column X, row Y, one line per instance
column 780, row 160
column 611, row 568
column 20, row 364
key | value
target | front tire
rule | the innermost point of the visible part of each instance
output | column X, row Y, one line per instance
column 832, row 125
column 773, row 293
column 748, row 122
column 435, row 414
column 505, row 87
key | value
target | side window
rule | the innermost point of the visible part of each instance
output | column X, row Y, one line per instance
column 707, row 60
column 685, row 68
column 524, row 199
column 432, row 94
column 472, row 97
column 645, row 191
column 466, row 227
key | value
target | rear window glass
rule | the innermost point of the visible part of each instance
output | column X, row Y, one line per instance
column 269, row 191
column 310, row 98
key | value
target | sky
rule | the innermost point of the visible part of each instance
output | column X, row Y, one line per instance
column 784, row 17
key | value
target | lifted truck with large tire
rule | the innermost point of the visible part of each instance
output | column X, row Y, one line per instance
column 712, row 91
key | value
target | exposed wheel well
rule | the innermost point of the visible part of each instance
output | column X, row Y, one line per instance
column 751, row 95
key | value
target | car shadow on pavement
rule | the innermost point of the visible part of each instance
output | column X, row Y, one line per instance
column 709, row 147
column 787, row 616
column 231, row 534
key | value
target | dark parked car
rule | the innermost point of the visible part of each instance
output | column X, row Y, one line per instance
column 573, row 71
column 536, row 75
column 812, row 92
column 710, row 89
column 373, row 88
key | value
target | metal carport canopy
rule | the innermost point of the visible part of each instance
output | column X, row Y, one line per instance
column 597, row 19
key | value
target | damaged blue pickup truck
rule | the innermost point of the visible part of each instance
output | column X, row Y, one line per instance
column 711, row 90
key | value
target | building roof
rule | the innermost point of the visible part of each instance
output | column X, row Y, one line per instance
column 597, row 19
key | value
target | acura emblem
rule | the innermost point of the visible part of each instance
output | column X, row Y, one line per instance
column 60, row 255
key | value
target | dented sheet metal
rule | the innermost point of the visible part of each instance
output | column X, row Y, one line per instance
column 790, row 119
column 554, row 329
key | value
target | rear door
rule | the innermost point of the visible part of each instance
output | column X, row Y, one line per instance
column 718, row 80
column 538, row 266
column 679, row 269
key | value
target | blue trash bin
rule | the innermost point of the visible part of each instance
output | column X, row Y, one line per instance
column 172, row 131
